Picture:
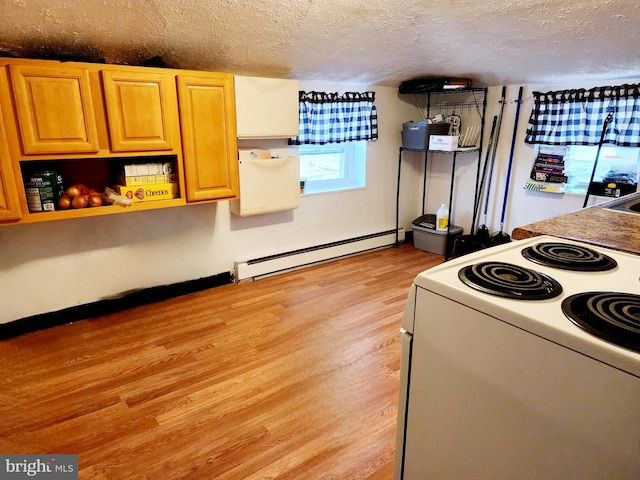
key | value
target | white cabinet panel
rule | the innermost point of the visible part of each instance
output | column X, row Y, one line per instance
column 266, row 107
column 267, row 184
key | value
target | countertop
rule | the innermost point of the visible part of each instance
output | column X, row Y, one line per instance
column 595, row 225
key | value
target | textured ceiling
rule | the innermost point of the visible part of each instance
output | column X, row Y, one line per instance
column 374, row 42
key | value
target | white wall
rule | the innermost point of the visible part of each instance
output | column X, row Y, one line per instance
column 54, row 265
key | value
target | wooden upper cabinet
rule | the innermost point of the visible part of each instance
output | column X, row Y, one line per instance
column 141, row 110
column 55, row 110
column 9, row 200
column 207, row 118
column 9, row 203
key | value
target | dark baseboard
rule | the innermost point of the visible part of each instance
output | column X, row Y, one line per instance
column 103, row 307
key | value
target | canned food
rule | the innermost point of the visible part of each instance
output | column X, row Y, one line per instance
column 43, row 190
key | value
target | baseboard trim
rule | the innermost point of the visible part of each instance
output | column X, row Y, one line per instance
column 274, row 264
column 112, row 305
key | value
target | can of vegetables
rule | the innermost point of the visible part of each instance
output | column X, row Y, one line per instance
column 43, row 189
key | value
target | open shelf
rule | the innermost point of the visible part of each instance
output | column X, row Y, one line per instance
column 96, row 174
column 477, row 104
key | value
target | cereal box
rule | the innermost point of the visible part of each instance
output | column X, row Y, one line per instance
column 132, row 180
column 145, row 193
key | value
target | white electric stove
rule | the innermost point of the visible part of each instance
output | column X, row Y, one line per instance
column 507, row 372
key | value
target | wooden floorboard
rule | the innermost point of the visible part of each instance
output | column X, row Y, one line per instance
column 292, row 377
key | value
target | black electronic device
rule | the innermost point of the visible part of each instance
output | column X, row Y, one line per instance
column 426, row 85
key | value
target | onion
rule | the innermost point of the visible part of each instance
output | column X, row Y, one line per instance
column 79, row 202
column 73, row 192
column 95, row 200
column 64, row 202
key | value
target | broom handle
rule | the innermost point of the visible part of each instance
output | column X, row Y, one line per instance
column 478, row 199
column 493, row 154
column 513, row 144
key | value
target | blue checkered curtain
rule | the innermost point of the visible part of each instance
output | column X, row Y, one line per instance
column 332, row 118
column 576, row 117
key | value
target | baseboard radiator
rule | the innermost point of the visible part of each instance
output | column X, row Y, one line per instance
column 282, row 262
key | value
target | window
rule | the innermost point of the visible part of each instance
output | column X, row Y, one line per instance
column 578, row 121
column 333, row 167
column 334, row 129
column 616, row 164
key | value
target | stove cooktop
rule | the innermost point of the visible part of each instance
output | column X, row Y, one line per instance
column 509, row 281
column 611, row 316
column 577, row 269
column 568, row 256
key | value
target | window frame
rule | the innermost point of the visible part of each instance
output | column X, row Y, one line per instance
column 353, row 167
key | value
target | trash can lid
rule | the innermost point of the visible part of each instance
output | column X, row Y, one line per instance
column 427, row 221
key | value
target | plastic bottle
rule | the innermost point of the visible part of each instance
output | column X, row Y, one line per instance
column 442, row 218
column 437, row 119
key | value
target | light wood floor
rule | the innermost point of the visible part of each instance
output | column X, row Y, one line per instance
column 289, row 377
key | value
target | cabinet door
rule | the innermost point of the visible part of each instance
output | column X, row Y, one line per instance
column 54, row 109
column 9, row 202
column 207, row 117
column 140, row 109
column 266, row 107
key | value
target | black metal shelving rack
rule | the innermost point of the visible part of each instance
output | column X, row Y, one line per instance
column 480, row 104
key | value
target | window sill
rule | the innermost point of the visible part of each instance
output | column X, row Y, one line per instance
column 311, row 193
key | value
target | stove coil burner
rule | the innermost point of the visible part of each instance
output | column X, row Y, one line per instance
column 612, row 316
column 509, row 281
column 567, row 256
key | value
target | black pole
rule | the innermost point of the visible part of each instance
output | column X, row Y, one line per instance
column 398, row 196
column 595, row 164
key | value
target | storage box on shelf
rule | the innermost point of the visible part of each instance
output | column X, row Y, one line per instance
column 82, row 119
column 148, row 193
column 443, row 143
column 140, row 182
column 134, row 180
column 434, row 241
column 416, row 136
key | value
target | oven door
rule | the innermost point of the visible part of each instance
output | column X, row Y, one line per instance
column 490, row 400
column 405, row 371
